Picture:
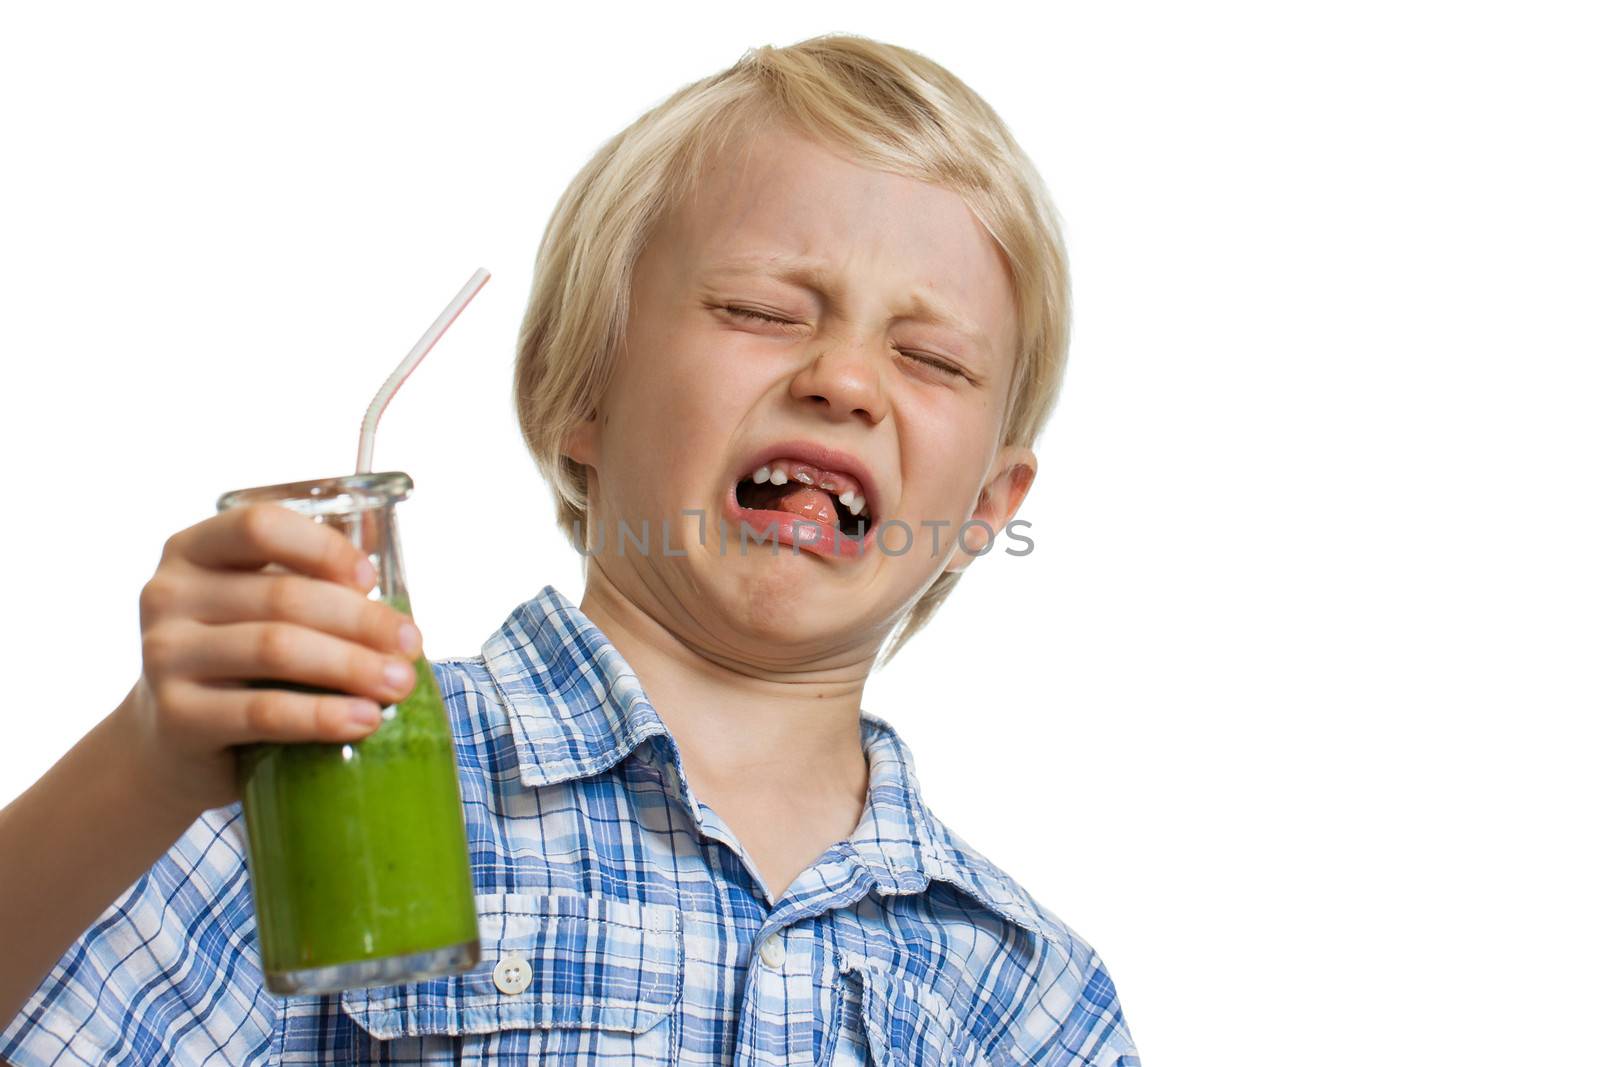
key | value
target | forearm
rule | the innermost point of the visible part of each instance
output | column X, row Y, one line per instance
column 69, row 846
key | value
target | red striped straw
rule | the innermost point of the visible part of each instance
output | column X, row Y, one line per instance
column 369, row 425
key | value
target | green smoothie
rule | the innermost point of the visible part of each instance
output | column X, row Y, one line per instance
column 358, row 851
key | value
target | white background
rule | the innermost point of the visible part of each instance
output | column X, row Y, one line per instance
column 1291, row 714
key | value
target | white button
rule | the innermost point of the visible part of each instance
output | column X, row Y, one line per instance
column 772, row 951
column 512, row 974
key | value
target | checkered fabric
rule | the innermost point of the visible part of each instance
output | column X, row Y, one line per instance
column 645, row 932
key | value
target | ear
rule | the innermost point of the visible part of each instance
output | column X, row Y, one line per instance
column 1010, row 476
column 581, row 443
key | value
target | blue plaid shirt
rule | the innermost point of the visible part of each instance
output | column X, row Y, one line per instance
column 646, row 934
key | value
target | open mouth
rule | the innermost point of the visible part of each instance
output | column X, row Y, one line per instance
column 830, row 499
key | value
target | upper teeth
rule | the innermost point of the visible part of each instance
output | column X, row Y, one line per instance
column 779, row 472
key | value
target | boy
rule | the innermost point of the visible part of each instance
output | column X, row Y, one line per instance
column 819, row 296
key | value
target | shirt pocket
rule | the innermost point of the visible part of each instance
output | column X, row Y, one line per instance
column 581, row 980
column 888, row 1019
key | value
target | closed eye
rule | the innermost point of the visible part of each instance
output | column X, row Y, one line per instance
column 747, row 313
column 937, row 364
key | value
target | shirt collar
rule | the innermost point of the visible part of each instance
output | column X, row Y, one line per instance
column 576, row 709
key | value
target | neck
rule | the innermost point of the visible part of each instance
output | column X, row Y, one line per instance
column 736, row 724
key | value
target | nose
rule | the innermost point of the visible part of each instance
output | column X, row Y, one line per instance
column 842, row 382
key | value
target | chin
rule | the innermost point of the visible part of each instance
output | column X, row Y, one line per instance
column 778, row 603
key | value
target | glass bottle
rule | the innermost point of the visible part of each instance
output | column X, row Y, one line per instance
column 357, row 852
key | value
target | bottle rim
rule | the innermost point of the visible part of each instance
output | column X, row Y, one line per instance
column 326, row 496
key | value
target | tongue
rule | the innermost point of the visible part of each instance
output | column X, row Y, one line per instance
column 806, row 501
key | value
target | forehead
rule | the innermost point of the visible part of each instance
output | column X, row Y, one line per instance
column 782, row 205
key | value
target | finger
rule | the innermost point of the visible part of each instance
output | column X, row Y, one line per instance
column 285, row 651
column 236, row 715
column 252, row 536
column 309, row 602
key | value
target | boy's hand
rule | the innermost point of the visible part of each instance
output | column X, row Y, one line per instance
column 258, row 592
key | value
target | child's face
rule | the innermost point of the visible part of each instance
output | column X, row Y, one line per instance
column 702, row 394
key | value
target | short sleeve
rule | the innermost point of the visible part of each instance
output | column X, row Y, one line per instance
column 170, row 972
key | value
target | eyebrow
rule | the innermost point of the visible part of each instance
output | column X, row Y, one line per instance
column 817, row 275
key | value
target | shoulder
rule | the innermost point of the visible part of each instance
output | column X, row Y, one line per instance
column 1063, row 1008
column 481, row 698
column 481, row 727
column 958, row 861
column 480, row 713
column 464, row 678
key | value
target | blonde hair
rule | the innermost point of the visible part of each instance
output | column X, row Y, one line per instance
column 886, row 107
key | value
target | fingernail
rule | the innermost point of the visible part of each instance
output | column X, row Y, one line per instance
column 410, row 639
column 399, row 675
column 366, row 575
column 363, row 713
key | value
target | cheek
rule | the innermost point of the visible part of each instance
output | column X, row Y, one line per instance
column 718, row 378
column 673, row 411
column 944, row 461
column 651, row 391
